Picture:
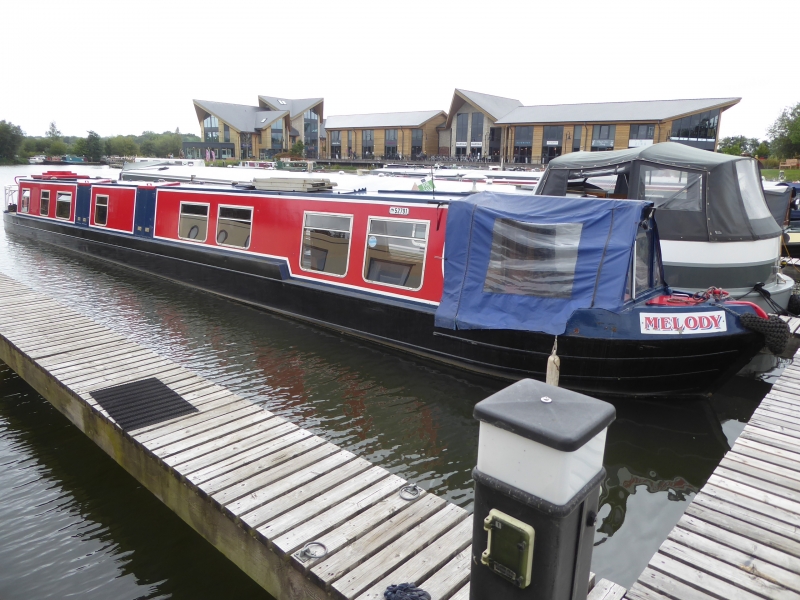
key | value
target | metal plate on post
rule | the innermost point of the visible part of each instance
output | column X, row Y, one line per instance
column 509, row 550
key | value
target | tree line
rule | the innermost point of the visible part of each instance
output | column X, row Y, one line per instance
column 15, row 146
column 783, row 140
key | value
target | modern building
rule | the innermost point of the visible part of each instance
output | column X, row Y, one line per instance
column 243, row 131
column 471, row 127
column 387, row 135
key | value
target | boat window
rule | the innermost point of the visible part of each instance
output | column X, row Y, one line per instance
column 531, row 259
column 326, row 243
column 101, row 210
column 25, row 204
column 63, row 205
column 644, row 260
column 193, row 223
column 44, row 204
column 671, row 189
column 752, row 192
column 396, row 252
column 234, row 226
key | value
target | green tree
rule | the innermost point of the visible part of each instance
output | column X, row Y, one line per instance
column 94, row 147
column 79, row 148
column 57, row 148
column 53, row 133
column 763, row 150
column 297, row 149
column 735, row 150
column 745, row 144
column 11, row 137
column 122, row 145
column 784, row 135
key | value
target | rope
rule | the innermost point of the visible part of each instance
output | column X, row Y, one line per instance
column 406, row 591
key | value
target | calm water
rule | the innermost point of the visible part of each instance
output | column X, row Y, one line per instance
column 73, row 523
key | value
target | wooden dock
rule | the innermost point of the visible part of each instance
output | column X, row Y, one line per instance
column 740, row 536
column 302, row 517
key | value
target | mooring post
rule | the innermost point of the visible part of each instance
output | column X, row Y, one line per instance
column 537, row 487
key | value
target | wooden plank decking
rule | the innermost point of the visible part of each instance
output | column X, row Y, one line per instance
column 254, row 485
column 740, row 536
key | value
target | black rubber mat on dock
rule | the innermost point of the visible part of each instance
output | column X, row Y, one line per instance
column 141, row 403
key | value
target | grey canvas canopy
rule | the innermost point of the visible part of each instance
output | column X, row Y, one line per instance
column 699, row 195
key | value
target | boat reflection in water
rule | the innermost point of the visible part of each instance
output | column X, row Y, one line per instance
column 658, row 456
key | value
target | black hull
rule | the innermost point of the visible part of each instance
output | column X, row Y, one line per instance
column 689, row 366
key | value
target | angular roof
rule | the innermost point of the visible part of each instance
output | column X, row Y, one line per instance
column 494, row 106
column 295, row 107
column 239, row 116
column 646, row 110
column 378, row 120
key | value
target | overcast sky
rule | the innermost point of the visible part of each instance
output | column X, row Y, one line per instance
column 126, row 67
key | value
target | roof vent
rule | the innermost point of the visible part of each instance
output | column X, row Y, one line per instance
column 282, row 102
column 264, row 119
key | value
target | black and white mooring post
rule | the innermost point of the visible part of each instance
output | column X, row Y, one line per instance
column 537, row 487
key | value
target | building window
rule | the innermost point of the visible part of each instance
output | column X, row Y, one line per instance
column 476, row 135
column 531, row 259
column 603, row 137
column 311, row 133
column 25, row 202
column 576, row 138
column 416, row 143
column 63, row 205
column 226, row 153
column 462, row 128
column 349, row 144
column 699, row 130
column 326, row 243
column 336, row 143
column 552, row 138
column 390, row 143
column 234, row 226
column 193, row 222
column 44, row 203
column 101, row 210
column 367, row 143
column 211, row 129
column 641, row 135
column 523, row 141
column 226, row 134
column 396, row 252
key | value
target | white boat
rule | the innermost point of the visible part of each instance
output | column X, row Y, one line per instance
column 37, row 160
column 715, row 227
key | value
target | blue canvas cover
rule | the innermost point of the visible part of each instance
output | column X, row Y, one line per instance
column 496, row 242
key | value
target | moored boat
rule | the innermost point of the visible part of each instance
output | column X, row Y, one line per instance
column 713, row 220
column 489, row 282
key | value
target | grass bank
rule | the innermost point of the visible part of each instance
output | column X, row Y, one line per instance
column 772, row 174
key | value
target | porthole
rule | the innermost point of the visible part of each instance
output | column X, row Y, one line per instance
column 193, row 232
column 222, row 236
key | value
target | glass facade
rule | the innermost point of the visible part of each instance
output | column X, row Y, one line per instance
column 495, row 136
column 698, row 130
column 577, row 132
column 603, row 137
column 336, row 143
column 416, row 143
column 227, row 134
column 552, row 139
column 350, row 144
column 211, row 129
column 641, row 135
column 462, row 129
column 367, row 143
column 390, row 143
column 311, row 133
column 276, row 135
column 523, row 142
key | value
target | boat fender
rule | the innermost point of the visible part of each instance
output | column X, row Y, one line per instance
column 553, row 366
column 405, row 591
column 775, row 331
column 794, row 304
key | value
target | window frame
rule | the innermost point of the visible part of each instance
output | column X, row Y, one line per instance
column 352, row 218
column 633, row 183
column 94, row 212
column 216, row 232
column 208, row 214
column 424, row 254
column 58, row 195
column 41, row 198
column 23, row 207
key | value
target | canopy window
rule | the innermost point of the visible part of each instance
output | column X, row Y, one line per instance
column 671, row 189
column 533, row 259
